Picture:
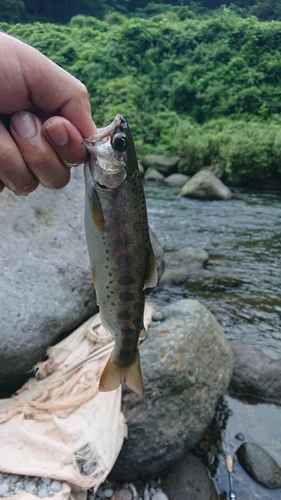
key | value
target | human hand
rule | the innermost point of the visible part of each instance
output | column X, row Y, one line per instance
column 51, row 114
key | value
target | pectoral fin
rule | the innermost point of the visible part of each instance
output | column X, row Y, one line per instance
column 142, row 333
column 152, row 274
column 96, row 212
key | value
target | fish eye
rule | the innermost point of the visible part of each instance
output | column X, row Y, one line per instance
column 119, row 142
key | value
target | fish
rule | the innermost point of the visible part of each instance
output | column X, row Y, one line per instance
column 121, row 256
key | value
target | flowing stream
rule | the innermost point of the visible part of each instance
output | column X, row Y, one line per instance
column 241, row 284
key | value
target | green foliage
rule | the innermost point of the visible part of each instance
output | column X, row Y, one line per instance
column 208, row 88
column 247, row 153
column 12, row 11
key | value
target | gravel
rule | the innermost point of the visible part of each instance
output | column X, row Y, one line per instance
column 44, row 487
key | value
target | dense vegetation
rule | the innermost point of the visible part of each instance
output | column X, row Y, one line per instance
column 207, row 88
column 61, row 11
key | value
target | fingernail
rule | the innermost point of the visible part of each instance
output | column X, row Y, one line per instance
column 24, row 124
column 57, row 132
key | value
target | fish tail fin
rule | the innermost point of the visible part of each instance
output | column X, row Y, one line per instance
column 113, row 375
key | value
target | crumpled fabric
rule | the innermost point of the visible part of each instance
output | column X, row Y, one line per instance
column 58, row 425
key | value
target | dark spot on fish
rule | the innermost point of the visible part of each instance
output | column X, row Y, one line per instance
column 127, row 342
column 136, row 227
column 107, row 286
column 107, row 251
column 121, row 239
column 113, row 304
column 127, row 330
column 123, row 315
column 110, row 282
column 126, row 280
column 109, row 274
column 107, row 259
column 126, row 296
column 124, row 261
column 125, row 353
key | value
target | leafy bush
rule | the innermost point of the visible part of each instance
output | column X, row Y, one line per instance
column 208, row 89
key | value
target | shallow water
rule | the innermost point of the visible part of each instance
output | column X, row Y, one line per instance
column 251, row 419
column 241, row 284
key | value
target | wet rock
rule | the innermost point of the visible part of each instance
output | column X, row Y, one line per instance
column 46, row 288
column 124, row 494
column 159, row 496
column 240, row 436
column 204, row 185
column 175, row 411
column 176, row 180
column 255, row 373
column 259, row 465
column 188, row 479
column 166, row 165
column 181, row 263
column 153, row 175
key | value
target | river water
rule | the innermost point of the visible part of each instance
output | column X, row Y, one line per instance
column 241, row 284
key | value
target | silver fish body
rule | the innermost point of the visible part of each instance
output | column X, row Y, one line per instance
column 120, row 251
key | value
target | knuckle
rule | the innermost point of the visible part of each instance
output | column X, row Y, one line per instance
column 7, row 156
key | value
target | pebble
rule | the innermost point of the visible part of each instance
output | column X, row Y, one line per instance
column 124, row 494
column 55, row 486
column 159, row 496
column 42, row 493
column 46, row 480
column 157, row 316
column 4, row 488
column 100, row 493
column 108, row 493
column 240, row 436
column 89, row 466
column 30, row 488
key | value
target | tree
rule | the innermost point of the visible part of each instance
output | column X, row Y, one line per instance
column 12, row 11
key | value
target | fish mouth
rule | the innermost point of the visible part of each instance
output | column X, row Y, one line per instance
column 105, row 165
column 103, row 134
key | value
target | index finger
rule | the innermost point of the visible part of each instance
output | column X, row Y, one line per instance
column 48, row 87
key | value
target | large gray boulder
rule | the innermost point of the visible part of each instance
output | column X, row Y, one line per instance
column 46, row 289
column 181, row 263
column 166, row 165
column 186, row 365
column 205, row 186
